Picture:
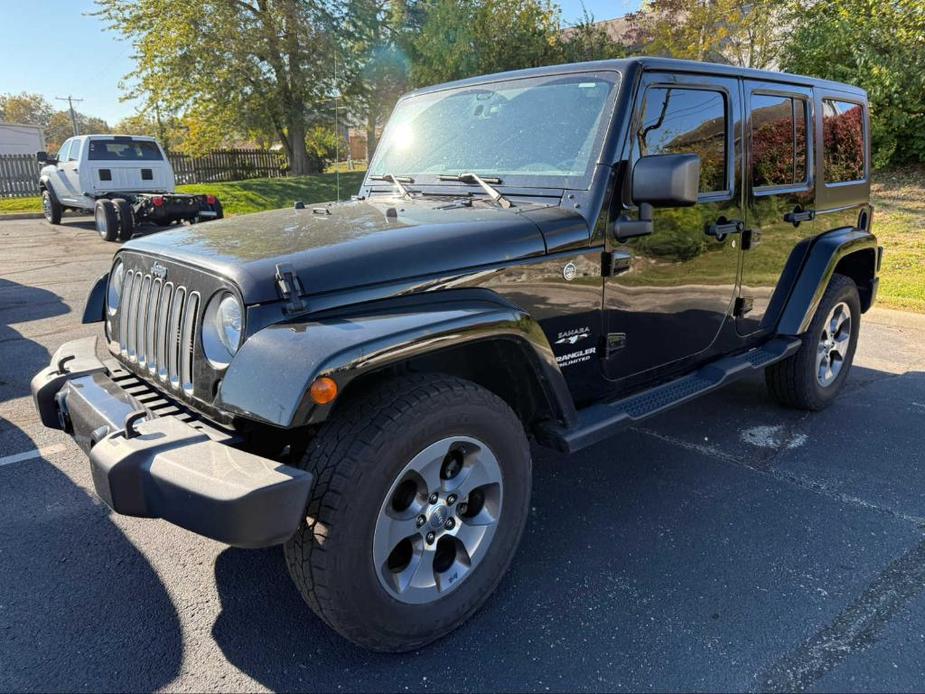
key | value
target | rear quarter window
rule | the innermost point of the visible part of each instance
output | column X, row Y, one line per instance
column 117, row 150
column 843, row 157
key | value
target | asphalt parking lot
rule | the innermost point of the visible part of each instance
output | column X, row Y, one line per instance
column 727, row 545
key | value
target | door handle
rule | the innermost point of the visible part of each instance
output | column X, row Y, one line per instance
column 722, row 228
column 799, row 215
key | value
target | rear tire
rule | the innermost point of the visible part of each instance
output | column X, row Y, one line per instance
column 811, row 378
column 107, row 219
column 126, row 218
column 51, row 208
column 362, row 461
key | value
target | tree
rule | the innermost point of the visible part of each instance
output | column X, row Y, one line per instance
column 262, row 65
column 168, row 130
column 879, row 46
column 29, row 109
column 374, row 68
column 588, row 40
column 461, row 38
column 59, row 127
column 747, row 33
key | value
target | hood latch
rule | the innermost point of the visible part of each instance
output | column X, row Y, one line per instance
column 289, row 288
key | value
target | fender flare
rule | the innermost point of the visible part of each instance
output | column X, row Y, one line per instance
column 817, row 270
column 95, row 307
column 270, row 376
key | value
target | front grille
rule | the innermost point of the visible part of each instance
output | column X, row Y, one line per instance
column 157, row 328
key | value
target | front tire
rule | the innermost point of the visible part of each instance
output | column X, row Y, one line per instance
column 106, row 219
column 420, row 499
column 51, row 208
column 811, row 378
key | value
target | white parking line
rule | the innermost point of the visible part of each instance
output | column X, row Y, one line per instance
column 34, row 453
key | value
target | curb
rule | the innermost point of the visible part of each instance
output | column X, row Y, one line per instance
column 21, row 215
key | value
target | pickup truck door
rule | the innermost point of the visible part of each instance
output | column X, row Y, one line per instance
column 65, row 181
column 781, row 195
column 670, row 293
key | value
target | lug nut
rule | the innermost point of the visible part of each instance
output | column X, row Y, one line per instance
column 421, row 521
column 451, row 499
column 462, row 508
column 434, row 498
column 430, row 538
column 450, row 524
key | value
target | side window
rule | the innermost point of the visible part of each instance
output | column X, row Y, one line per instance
column 842, row 141
column 779, row 150
column 62, row 153
column 75, row 151
column 682, row 121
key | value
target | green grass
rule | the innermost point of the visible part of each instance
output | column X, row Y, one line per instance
column 14, row 205
column 899, row 223
column 243, row 197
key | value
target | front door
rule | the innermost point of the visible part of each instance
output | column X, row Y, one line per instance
column 781, row 197
column 678, row 285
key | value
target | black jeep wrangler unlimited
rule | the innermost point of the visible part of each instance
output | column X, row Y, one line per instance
column 549, row 254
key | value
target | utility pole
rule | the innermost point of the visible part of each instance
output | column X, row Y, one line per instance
column 70, row 104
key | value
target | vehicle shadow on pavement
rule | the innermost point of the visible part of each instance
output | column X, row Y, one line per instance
column 667, row 557
column 80, row 606
column 22, row 357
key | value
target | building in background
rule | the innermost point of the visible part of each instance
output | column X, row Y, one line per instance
column 16, row 138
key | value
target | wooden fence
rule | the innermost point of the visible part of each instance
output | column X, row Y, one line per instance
column 19, row 173
column 228, row 165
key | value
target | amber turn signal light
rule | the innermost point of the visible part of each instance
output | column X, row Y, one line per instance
column 323, row 390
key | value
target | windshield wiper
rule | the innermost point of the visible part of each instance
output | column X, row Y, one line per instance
column 493, row 193
column 397, row 180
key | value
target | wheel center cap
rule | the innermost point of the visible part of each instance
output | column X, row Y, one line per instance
column 439, row 517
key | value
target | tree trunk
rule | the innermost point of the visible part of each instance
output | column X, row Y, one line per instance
column 299, row 163
column 371, row 139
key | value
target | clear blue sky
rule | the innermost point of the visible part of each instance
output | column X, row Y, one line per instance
column 52, row 47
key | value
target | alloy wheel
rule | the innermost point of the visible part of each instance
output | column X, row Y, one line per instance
column 438, row 519
column 833, row 344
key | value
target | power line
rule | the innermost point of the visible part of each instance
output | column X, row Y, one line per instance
column 70, row 104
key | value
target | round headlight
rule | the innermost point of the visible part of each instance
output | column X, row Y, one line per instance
column 229, row 322
column 114, row 293
column 221, row 329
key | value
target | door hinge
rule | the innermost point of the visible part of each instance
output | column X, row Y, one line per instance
column 750, row 239
column 743, row 305
column 614, row 263
column 612, row 342
column 289, row 288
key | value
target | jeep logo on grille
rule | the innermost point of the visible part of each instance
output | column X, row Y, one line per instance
column 159, row 270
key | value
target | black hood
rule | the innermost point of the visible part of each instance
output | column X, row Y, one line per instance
column 345, row 245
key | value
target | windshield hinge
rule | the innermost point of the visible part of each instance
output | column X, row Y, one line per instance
column 289, row 288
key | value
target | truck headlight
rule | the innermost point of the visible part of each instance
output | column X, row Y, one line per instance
column 221, row 329
column 114, row 293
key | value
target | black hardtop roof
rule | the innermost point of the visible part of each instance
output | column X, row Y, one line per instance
column 660, row 64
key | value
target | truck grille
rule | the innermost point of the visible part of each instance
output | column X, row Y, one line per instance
column 157, row 328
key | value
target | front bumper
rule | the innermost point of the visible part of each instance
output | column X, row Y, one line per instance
column 165, row 466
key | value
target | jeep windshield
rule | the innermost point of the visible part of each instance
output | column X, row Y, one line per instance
column 530, row 132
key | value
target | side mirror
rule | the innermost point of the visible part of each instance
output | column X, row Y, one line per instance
column 660, row 180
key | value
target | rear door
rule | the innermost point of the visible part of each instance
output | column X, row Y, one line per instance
column 679, row 284
column 781, row 196
column 125, row 164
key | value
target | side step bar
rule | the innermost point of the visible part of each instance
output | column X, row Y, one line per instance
column 597, row 422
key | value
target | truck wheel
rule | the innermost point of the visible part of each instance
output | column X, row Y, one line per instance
column 107, row 221
column 51, row 207
column 421, row 494
column 126, row 218
column 813, row 377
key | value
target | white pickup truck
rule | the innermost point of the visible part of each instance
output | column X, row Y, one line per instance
column 125, row 180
